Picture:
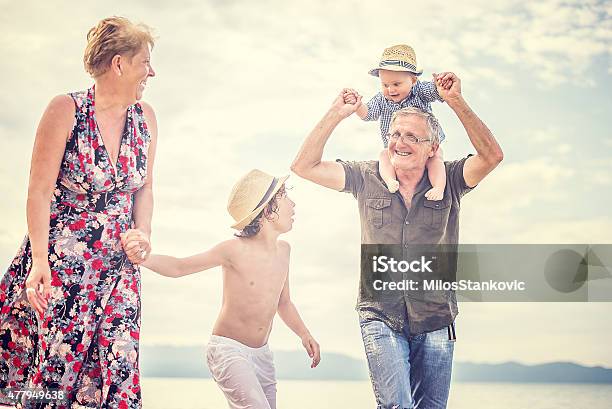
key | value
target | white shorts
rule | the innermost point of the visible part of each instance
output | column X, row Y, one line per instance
column 245, row 375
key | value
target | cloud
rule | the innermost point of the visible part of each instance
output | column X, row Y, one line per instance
column 557, row 40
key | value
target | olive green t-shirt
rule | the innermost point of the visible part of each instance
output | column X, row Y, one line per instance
column 386, row 220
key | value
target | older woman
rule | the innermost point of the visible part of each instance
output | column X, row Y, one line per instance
column 70, row 300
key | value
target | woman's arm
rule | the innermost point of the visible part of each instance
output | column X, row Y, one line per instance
column 143, row 199
column 49, row 146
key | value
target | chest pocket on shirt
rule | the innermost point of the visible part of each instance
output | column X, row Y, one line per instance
column 378, row 211
column 435, row 212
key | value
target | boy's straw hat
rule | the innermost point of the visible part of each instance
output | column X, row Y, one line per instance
column 398, row 58
column 250, row 195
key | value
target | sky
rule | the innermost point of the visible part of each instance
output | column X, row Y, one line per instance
column 240, row 84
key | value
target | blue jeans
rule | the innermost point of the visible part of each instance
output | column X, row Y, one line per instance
column 408, row 372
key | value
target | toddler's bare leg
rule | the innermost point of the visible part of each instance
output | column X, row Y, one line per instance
column 387, row 172
column 437, row 176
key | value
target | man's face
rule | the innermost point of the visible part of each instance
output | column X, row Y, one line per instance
column 409, row 156
column 396, row 85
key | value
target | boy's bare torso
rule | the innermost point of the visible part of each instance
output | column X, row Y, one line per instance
column 252, row 285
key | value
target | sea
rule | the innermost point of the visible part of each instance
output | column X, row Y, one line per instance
column 192, row 393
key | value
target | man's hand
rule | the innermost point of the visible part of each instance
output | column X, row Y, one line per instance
column 312, row 347
column 136, row 245
column 343, row 108
column 448, row 85
column 488, row 152
column 350, row 96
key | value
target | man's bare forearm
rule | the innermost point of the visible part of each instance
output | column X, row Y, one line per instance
column 480, row 136
column 311, row 152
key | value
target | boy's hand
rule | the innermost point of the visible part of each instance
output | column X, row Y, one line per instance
column 448, row 85
column 312, row 347
column 136, row 245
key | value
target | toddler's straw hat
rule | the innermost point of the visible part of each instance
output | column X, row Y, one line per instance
column 398, row 58
column 250, row 195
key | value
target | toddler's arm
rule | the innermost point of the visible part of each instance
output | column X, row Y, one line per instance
column 429, row 91
column 368, row 112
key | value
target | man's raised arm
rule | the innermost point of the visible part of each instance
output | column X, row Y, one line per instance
column 308, row 163
column 488, row 152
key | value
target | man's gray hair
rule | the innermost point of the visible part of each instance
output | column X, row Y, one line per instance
column 433, row 127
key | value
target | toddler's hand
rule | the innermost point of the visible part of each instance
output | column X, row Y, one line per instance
column 350, row 96
column 443, row 83
column 449, row 86
column 343, row 108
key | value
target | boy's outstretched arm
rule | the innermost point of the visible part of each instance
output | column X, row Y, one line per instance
column 170, row 266
column 291, row 317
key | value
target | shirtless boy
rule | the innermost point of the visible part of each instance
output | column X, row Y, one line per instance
column 255, row 268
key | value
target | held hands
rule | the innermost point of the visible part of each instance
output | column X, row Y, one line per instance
column 448, row 85
column 38, row 286
column 346, row 102
column 313, row 349
column 350, row 96
column 136, row 245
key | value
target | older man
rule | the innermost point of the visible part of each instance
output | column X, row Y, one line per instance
column 409, row 345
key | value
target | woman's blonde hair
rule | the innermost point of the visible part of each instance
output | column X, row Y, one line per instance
column 112, row 36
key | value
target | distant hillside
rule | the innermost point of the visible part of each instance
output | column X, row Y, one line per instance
column 554, row 372
column 189, row 362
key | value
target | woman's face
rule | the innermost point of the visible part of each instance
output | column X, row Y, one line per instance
column 136, row 72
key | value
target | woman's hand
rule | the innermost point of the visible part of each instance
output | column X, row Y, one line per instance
column 38, row 286
column 136, row 245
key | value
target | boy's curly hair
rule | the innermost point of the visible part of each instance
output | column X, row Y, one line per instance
column 269, row 212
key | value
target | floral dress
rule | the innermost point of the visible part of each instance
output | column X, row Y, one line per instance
column 86, row 343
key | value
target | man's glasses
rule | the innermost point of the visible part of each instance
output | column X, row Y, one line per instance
column 406, row 138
